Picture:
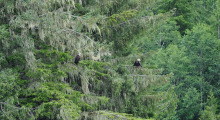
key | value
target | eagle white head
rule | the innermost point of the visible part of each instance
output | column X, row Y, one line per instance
column 138, row 59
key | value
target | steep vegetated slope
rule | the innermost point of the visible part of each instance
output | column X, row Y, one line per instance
column 177, row 42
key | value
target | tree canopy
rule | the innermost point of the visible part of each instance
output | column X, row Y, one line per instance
column 176, row 40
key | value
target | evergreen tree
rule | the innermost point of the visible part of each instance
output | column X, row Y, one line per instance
column 210, row 112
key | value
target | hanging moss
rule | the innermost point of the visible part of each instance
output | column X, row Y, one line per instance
column 45, row 37
column 109, row 115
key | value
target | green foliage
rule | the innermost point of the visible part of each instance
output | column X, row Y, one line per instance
column 174, row 60
column 98, row 68
column 202, row 47
column 53, row 100
column 113, row 115
column 210, row 112
column 122, row 17
column 176, row 40
column 167, row 106
column 54, row 55
column 8, row 84
column 63, row 109
column 48, row 69
column 167, row 33
column 183, row 9
column 2, row 60
column 4, row 36
column 16, row 60
column 190, row 102
column 121, row 34
column 46, row 72
column 4, row 32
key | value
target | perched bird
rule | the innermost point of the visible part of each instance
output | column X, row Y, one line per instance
column 137, row 63
column 77, row 59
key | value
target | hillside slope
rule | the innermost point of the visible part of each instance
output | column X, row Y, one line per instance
column 177, row 43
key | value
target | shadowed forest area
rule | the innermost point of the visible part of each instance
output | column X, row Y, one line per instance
column 177, row 42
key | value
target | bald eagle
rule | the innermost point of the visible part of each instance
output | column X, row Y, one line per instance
column 137, row 63
column 77, row 59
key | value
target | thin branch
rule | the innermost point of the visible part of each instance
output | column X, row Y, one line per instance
column 70, row 30
column 146, row 75
column 71, row 15
column 131, row 20
column 169, row 102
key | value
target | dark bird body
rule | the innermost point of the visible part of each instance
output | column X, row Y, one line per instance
column 77, row 59
column 137, row 63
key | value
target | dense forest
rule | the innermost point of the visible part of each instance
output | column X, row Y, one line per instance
column 177, row 41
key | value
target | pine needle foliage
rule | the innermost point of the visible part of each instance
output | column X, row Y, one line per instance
column 39, row 40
